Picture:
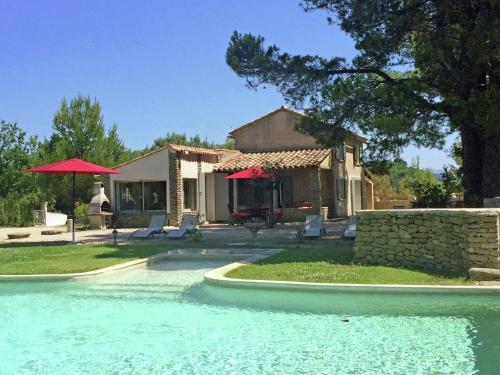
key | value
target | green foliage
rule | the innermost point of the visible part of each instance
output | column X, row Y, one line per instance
column 452, row 179
column 384, row 190
column 424, row 69
column 429, row 194
column 16, row 154
column 404, row 182
column 82, row 215
column 183, row 140
column 79, row 127
column 197, row 235
column 17, row 210
column 79, row 131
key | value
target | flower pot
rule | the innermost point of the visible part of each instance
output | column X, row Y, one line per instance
column 254, row 228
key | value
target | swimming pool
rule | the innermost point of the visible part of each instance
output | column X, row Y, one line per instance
column 164, row 320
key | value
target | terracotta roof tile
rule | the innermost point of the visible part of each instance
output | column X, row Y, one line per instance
column 278, row 159
column 195, row 150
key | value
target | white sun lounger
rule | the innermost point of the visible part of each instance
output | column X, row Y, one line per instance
column 350, row 232
column 314, row 226
column 188, row 224
column 155, row 226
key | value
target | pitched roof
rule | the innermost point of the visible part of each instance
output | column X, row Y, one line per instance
column 194, row 150
column 277, row 159
column 301, row 114
column 178, row 148
column 282, row 108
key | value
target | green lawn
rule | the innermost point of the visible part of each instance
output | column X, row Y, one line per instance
column 314, row 261
column 30, row 258
column 332, row 263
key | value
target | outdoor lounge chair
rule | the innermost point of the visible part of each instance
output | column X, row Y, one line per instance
column 155, row 226
column 350, row 232
column 314, row 226
column 189, row 223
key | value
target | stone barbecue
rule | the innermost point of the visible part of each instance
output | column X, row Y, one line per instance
column 100, row 207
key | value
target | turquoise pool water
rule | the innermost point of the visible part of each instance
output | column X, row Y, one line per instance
column 164, row 320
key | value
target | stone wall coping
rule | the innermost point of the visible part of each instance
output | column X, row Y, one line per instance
column 410, row 211
column 217, row 277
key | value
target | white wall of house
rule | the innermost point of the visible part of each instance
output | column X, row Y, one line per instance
column 221, row 197
column 153, row 167
column 210, row 196
column 189, row 169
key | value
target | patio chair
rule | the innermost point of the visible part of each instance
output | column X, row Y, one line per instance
column 237, row 217
column 314, row 226
column 155, row 226
column 350, row 232
column 189, row 223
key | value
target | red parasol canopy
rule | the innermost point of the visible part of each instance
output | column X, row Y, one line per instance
column 74, row 165
column 252, row 172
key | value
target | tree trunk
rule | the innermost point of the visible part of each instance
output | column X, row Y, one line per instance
column 491, row 164
column 472, row 168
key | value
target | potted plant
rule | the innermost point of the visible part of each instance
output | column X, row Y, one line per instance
column 254, row 226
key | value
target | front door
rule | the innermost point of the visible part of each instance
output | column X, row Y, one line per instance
column 356, row 199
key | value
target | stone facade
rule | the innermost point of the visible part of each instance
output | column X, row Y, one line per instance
column 175, row 191
column 445, row 239
column 133, row 220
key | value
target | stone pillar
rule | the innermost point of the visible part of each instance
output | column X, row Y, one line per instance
column 175, row 189
column 315, row 188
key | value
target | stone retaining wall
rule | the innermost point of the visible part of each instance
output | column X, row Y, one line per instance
column 446, row 239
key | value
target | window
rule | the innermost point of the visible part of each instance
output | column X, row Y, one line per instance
column 134, row 197
column 341, row 193
column 357, row 154
column 129, row 197
column 155, row 195
column 189, row 192
column 340, row 152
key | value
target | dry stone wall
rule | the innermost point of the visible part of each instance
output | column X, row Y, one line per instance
column 445, row 239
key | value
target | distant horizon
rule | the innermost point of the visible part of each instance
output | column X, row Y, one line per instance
column 154, row 68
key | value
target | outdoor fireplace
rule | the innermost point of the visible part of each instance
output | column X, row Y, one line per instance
column 100, row 207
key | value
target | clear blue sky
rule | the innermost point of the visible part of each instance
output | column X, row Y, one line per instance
column 155, row 66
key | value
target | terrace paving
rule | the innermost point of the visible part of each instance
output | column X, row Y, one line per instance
column 230, row 234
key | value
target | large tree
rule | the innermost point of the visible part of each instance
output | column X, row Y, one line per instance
column 424, row 69
column 79, row 131
column 182, row 139
column 16, row 154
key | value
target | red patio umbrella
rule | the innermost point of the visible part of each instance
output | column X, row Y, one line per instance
column 252, row 172
column 73, row 166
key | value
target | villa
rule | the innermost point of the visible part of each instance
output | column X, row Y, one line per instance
column 178, row 179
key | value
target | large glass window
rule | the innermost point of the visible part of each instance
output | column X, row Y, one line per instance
column 133, row 197
column 155, row 195
column 357, row 154
column 129, row 197
column 189, row 192
column 340, row 152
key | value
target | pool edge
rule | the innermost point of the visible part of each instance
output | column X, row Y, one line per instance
column 216, row 277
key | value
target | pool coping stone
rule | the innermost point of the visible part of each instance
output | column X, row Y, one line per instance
column 217, row 277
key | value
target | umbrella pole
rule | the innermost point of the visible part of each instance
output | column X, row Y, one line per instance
column 73, row 209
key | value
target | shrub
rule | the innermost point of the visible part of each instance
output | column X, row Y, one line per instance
column 430, row 194
column 82, row 215
column 17, row 211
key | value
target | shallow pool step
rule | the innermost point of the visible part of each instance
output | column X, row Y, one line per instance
column 130, row 291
